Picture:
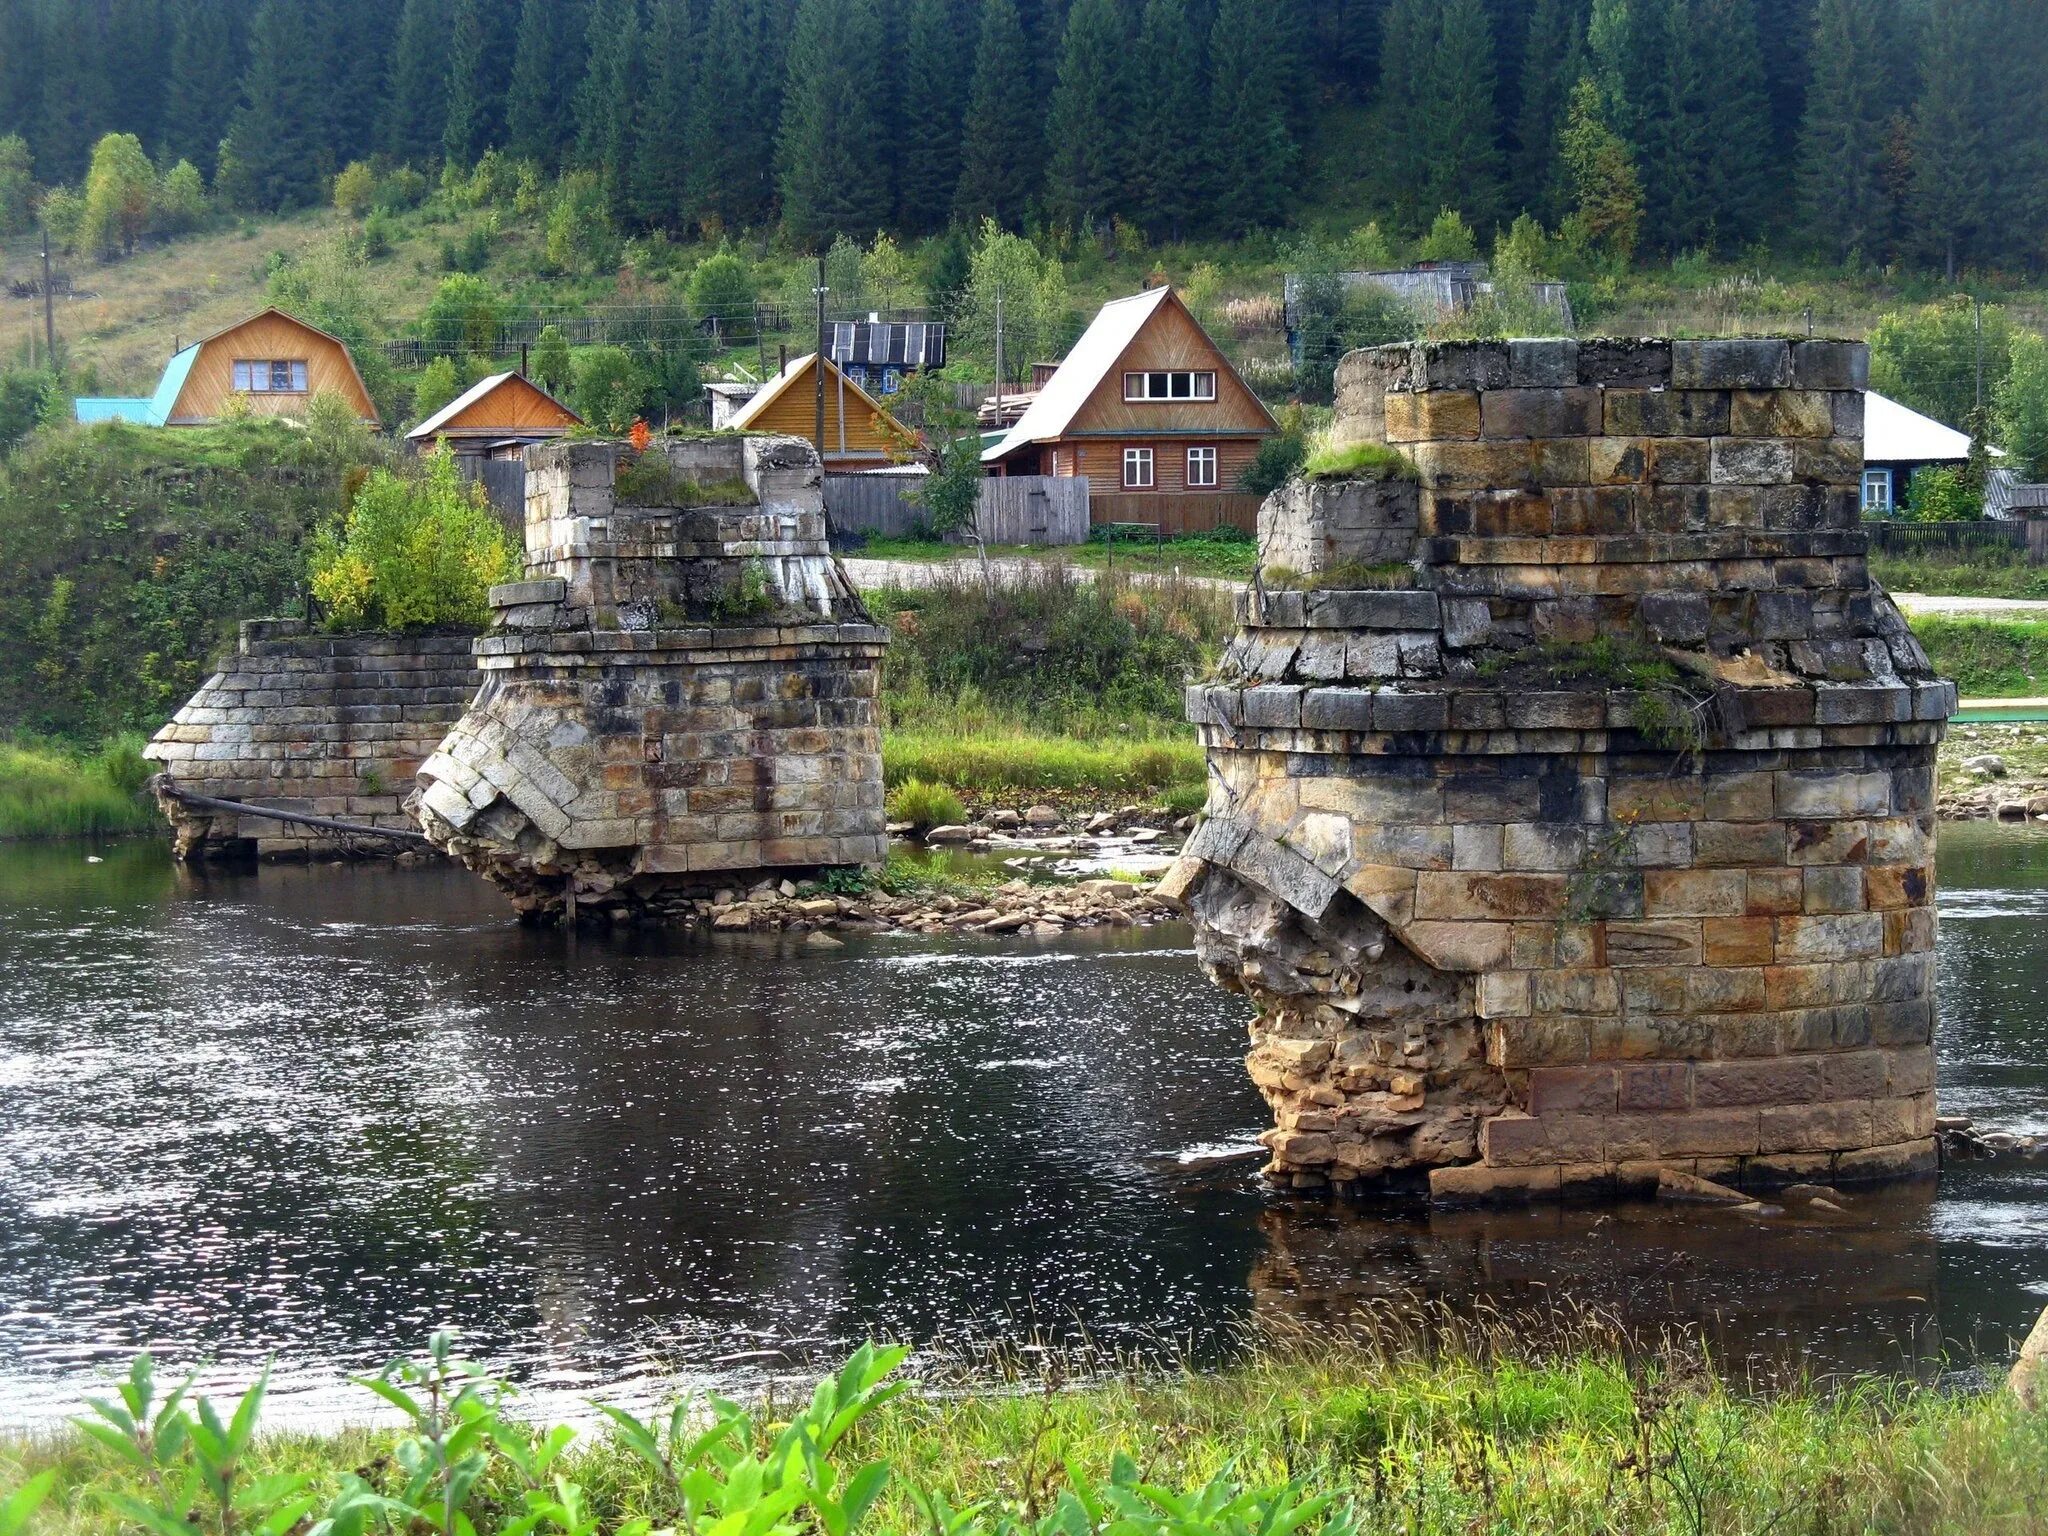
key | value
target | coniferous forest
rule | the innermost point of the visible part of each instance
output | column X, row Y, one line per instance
column 1912, row 132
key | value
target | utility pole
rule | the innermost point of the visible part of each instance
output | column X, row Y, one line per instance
column 49, row 311
column 819, row 360
column 1977, row 323
column 999, row 357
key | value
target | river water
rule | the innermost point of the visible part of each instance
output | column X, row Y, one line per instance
column 310, row 1115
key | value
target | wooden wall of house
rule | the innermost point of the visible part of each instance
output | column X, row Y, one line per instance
column 1172, row 340
column 514, row 405
column 268, row 337
column 795, row 411
column 1101, row 461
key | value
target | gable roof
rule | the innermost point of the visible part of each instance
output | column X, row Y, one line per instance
column 1894, row 433
column 776, row 387
column 155, row 411
column 476, row 392
column 1109, row 335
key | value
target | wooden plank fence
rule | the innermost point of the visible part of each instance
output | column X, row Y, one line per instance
column 1014, row 509
column 1888, row 537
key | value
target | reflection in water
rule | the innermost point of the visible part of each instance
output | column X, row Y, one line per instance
column 315, row 1113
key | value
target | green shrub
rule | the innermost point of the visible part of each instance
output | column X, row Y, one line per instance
column 1359, row 461
column 925, row 805
column 415, row 553
column 1938, row 494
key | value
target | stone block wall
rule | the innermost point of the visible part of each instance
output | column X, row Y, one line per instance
column 1604, row 841
column 680, row 698
column 324, row 725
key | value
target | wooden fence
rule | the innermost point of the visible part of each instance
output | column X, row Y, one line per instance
column 1179, row 511
column 1015, row 509
column 1997, row 535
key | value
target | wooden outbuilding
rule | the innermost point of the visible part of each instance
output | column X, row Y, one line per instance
column 494, row 418
column 860, row 433
column 1152, row 414
column 273, row 361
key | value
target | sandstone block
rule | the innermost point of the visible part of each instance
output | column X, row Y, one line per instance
column 1737, row 364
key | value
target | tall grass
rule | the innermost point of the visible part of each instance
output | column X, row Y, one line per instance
column 48, row 791
column 1988, row 658
column 996, row 761
column 1962, row 573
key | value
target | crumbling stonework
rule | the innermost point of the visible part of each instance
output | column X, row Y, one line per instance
column 1605, row 842
column 679, row 699
column 324, row 725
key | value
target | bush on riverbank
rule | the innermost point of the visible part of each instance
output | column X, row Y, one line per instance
column 1461, row 1434
column 1988, row 658
column 47, row 791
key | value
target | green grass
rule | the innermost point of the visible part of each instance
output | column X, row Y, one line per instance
column 1474, row 1433
column 991, row 763
column 1987, row 573
column 50, row 792
column 1988, row 658
column 1359, row 461
column 1228, row 554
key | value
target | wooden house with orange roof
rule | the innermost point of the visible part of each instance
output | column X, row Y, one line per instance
column 273, row 361
column 495, row 418
column 1148, row 409
column 860, row 434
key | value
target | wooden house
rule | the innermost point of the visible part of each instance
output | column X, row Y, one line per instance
column 1897, row 441
column 495, row 418
column 860, row 434
column 879, row 354
column 272, row 360
column 1148, row 409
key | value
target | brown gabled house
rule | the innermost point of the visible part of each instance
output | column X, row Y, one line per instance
column 1148, row 409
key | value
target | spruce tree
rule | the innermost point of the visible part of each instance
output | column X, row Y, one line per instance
column 1248, row 89
column 1408, row 37
column 1552, row 60
column 1464, row 130
column 1949, row 200
column 661, row 164
column 1732, row 109
column 359, row 75
column 205, row 76
column 938, row 60
column 608, row 97
column 277, row 142
column 466, row 132
column 1841, row 141
column 832, row 180
column 732, row 120
column 76, row 101
column 1089, row 126
column 416, row 111
column 20, row 69
column 1002, row 156
column 1170, row 172
column 547, row 59
column 138, row 39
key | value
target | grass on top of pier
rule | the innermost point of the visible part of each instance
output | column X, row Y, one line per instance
column 53, row 791
column 1423, row 1431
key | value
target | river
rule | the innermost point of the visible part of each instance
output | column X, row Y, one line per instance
column 310, row 1115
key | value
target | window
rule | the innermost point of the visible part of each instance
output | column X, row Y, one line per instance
column 1201, row 469
column 892, row 380
column 1175, row 385
column 1877, row 491
column 1137, row 469
column 270, row 376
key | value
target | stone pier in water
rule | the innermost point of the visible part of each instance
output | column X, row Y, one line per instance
column 679, row 699
column 1572, row 786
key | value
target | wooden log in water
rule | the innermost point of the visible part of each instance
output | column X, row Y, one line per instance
column 164, row 786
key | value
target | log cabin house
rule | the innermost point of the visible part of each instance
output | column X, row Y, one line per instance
column 274, row 361
column 860, row 434
column 495, row 418
column 1148, row 409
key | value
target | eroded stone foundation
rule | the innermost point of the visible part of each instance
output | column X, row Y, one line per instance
column 679, row 699
column 1571, row 805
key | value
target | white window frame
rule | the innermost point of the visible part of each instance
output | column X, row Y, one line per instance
column 1158, row 385
column 1879, row 481
column 1210, row 477
column 1141, row 460
column 258, row 375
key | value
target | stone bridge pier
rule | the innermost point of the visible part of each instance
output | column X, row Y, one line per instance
column 681, row 698
column 1571, row 807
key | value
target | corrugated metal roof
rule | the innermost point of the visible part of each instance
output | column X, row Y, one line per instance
column 90, row 409
column 1897, row 434
column 1115, row 327
column 889, row 344
column 152, row 412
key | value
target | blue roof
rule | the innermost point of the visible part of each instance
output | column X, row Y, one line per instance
column 154, row 411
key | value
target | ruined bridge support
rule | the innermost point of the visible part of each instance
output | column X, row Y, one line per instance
column 1572, row 787
column 680, row 698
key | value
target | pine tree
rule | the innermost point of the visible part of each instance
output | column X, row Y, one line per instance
column 661, row 164
column 1171, row 174
column 1949, row 201
column 732, row 120
column 1248, row 89
column 416, row 113
column 277, row 144
column 608, row 97
column 205, row 74
column 937, row 62
column 1002, row 157
column 1841, row 141
column 466, row 132
column 1552, row 61
column 831, row 178
column 1089, row 126
column 1733, row 111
